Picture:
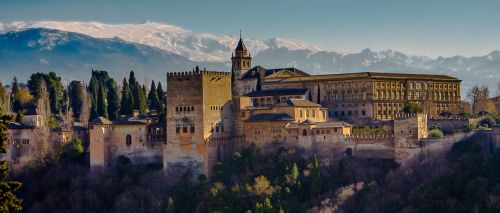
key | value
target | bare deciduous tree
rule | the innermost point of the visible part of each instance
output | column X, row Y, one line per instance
column 43, row 130
column 85, row 108
column 480, row 100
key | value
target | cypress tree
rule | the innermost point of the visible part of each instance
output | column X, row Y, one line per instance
column 154, row 101
column 127, row 101
column 161, row 104
column 131, row 84
column 142, row 104
column 16, row 104
column 316, row 179
column 76, row 96
column 160, row 92
column 102, row 106
column 93, row 90
column 113, row 99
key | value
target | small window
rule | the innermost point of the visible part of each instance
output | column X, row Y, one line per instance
column 184, row 129
column 177, row 130
column 192, row 129
column 128, row 140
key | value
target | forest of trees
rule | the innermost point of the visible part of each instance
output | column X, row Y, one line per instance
column 102, row 97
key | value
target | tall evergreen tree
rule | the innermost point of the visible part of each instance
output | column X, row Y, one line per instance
column 8, row 200
column 16, row 104
column 316, row 179
column 113, row 99
column 154, row 101
column 93, row 90
column 54, row 86
column 102, row 106
column 161, row 93
column 76, row 97
column 140, row 103
column 131, row 82
column 161, row 97
column 126, row 104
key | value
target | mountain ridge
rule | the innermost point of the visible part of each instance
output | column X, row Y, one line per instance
column 53, row 54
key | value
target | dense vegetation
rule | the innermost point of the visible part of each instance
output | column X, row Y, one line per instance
column 250, row 180
column 101, row 97
column 466, row 179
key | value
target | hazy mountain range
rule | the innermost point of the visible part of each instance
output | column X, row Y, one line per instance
column 72, row 49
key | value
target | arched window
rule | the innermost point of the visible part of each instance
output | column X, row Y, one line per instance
column 128, row 140
column 304, row 132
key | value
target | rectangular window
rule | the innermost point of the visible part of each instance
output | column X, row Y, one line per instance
column 184, row 129
column 177, row 129
column 192, row 129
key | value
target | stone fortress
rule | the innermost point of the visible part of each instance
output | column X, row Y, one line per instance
column 211, row 114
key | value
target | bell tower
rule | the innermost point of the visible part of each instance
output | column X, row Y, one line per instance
column 241, row 59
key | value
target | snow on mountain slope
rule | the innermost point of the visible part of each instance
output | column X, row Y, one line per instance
column 195, row 46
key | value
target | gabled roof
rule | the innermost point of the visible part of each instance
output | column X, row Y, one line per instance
column 284, row 73
column 277, row 92
column 320, row 125
column 270, row 117
column 100, row 121
column 298, row 102
column 307, row 122
column 331, row 124
column 135, row 120
column 254, row 72
column 257, row 71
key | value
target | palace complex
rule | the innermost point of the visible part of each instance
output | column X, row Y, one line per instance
column 211, row 114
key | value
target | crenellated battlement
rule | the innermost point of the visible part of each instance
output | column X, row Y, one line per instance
column 197, row 73
column 369, row 136
column 409, row 115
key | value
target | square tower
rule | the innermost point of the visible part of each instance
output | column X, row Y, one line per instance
column 198, row 109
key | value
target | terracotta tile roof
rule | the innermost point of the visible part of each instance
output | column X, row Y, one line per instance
column 270, row 117
column 256, row 71
column 100, row 121
column 298, row 102
column 319, row 125
column 277, row 92
column 331, row 124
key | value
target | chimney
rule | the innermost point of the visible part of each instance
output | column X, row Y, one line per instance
column 136, row 113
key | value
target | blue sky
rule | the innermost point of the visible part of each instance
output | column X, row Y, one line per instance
column 420, row 27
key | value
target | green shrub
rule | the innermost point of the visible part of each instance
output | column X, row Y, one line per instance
column 436, row 133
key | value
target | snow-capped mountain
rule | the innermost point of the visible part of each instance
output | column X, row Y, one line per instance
column 74, row 55
column 153, row 49
column 195, row 46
